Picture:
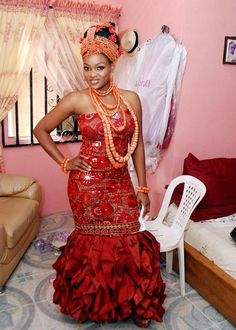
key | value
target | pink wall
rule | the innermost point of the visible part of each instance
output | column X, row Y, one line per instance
column 206, row 112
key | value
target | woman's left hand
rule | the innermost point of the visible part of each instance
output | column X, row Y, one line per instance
column 143, row 199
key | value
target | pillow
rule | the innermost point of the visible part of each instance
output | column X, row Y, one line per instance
column 219, row 176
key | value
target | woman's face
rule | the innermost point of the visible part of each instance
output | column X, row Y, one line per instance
column 97, row 71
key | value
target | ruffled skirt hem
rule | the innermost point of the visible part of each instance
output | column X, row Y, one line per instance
column 108, row 279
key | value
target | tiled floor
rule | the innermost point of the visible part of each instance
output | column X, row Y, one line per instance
column 27, row 301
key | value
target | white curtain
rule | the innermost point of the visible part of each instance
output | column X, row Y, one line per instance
column 155, row 73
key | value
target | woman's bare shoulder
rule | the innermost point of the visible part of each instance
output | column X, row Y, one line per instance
column 127, row 92
column 78, row 100
column 131, row 96
column 77, row 95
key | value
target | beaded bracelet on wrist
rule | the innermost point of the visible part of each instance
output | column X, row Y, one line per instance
column 143, row 189
column 63, row 165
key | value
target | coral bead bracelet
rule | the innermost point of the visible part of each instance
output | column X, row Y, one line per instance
column 143, row 189
column 63, row 165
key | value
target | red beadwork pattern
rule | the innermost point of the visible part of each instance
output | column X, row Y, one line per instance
column 108, row 270
column 103, row 193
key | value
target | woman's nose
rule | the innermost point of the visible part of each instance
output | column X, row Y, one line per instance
column 93, row 73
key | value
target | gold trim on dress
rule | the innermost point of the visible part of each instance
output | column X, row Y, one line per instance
column 109, row 230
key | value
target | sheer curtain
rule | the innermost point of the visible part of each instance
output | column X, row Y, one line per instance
column 58, row 57
column 56, row 61
column 20, row 30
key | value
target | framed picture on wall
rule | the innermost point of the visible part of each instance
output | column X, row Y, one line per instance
column 229, row 50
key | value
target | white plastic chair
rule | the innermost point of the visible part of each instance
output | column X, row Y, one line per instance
column 171, row 236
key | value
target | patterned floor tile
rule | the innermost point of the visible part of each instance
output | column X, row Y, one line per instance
column 20, row 319
column 172, row 281
column 53, row 319
column 225, row 325
column 17, row 310
column 181, row 314
column 210, row 312
column 56, row 221
column 29, row 285
column 44, row 289
column 25, row 273
column 129, row 325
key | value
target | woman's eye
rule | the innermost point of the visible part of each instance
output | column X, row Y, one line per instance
column 101, row 68
column 86, row 68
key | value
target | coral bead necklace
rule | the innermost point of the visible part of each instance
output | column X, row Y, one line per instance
column 106, row 112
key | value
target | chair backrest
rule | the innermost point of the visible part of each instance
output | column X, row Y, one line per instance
column 193, row 192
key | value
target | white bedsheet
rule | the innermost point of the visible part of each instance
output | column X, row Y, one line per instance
column 212, row 238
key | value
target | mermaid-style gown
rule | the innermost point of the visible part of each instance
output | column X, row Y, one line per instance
column 108, row 270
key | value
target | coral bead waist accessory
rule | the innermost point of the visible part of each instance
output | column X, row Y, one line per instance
column 106, row 112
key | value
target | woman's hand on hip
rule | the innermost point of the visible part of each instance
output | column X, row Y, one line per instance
column 78, row 163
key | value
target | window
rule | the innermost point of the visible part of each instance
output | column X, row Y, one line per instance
column 36, row 99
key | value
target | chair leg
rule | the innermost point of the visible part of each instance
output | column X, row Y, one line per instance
column 181, row 267
column 169, row 261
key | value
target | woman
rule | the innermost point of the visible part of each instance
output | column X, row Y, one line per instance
column 108, row 270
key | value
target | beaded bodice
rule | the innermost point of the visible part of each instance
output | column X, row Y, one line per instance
column 103, row 199
column 92, row 131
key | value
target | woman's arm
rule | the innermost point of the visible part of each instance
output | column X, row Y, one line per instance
column 65, row 108
column 139, row 153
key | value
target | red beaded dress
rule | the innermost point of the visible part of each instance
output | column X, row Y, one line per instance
column 108, row 270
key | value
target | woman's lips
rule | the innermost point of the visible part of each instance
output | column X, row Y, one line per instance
column 94, row 82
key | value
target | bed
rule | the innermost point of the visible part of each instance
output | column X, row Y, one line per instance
column 217, row 280
column 210, row 251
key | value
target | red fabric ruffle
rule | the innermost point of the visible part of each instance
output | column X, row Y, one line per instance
column 106, row 279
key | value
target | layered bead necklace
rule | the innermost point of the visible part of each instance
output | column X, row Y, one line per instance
column 106, row 112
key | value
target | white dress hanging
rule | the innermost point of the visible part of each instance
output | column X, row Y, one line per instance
column 155, row 73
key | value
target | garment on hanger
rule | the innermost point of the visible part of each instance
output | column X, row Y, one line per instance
column 155, row 73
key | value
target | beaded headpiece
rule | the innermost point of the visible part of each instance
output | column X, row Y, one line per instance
column 95, row 44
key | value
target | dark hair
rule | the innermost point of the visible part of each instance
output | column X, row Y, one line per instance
column 105, row 32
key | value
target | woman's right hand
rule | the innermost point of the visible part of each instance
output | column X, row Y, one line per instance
column 78, row 163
